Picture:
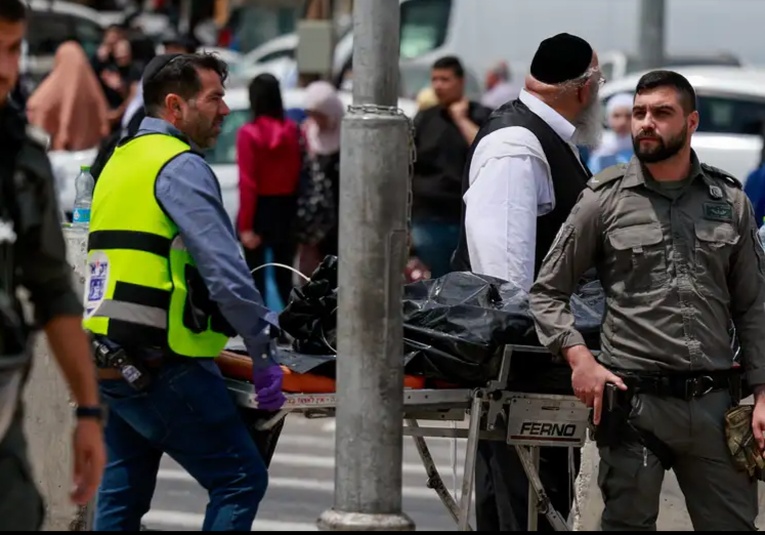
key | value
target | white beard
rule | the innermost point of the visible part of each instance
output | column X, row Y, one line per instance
column 589, row 125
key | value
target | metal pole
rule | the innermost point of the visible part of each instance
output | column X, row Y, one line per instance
column 184, row 22
column 652, row 30
column 374, row 193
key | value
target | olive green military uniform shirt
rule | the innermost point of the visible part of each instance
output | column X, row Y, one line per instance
column 677, row 265
column 40, row 251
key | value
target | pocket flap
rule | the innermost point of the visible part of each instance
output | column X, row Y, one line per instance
column 635, row 236
column 716, row 232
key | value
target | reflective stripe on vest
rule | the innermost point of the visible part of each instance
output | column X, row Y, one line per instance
column 139, row 271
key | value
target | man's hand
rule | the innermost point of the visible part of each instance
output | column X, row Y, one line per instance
column 89, row 460
column 268, row 388
column 758, row 416
column 589, row 378
column 459, row 109
column 250, row 240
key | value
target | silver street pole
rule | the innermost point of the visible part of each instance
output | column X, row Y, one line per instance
column 652, row 33
column 374, row 193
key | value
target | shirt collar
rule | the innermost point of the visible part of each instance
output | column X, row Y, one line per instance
column 555, row 120
column 635, row 173
column 153, row 125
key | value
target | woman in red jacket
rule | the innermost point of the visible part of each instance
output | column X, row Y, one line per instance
column 269, row 159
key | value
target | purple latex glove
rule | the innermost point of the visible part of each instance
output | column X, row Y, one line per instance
column 268, row 388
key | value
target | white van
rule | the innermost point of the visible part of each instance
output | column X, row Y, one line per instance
column 482, row 32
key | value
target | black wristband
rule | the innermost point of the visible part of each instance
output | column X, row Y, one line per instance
column 96, row 412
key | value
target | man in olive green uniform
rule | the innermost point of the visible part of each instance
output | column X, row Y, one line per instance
column 675, row 245
column 33, row 256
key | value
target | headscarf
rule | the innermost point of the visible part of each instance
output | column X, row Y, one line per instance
column 612, row 143
column 69, row 103
column 321, row 97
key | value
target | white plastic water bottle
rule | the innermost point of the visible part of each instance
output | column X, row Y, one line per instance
column 83, row 198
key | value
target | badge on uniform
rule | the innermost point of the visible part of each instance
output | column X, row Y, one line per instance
column 718, row 212
column 96, row 281
column 715, row 192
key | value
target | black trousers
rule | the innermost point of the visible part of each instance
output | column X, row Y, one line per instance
column 21, row 504
column 501, row 486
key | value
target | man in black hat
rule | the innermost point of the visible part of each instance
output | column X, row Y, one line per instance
column 523, row 177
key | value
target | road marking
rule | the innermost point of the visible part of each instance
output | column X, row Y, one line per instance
column 436, row 445
column 316, row 485
column 194, row 521
column 315, row 461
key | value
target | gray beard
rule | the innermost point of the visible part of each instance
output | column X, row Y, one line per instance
column 589, row 126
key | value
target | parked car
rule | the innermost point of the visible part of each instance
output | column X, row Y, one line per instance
column 616, row 64
column 222, row 158
column 731, row 103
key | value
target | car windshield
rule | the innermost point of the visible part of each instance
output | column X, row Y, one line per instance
column 424, row 25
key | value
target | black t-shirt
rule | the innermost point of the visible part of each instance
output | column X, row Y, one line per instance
column 442, row 153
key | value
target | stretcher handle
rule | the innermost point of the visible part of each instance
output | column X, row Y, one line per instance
column 265, row 425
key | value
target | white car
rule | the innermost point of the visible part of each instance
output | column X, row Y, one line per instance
column 731, row 104
column 222, row 158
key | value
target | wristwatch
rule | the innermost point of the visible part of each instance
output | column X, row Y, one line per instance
column 94, row 412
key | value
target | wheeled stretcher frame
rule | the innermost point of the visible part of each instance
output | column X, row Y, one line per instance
column 527, row 421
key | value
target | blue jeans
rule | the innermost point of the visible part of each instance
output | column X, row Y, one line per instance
column 434, row 243
column 189, row 414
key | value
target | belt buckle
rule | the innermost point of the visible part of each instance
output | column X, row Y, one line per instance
column 699, row 386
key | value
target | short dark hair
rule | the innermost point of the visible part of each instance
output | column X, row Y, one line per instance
column 180, row 76
column 451, row 63
column 13, row 10
column 678, row 82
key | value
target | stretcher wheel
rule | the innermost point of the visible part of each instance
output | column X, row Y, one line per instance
column 239, row 367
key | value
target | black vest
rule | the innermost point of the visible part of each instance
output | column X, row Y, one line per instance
column 569, row 178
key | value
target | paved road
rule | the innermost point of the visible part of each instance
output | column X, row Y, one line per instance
column 302, row 484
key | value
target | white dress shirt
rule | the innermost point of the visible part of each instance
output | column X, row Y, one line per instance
column 510, row 187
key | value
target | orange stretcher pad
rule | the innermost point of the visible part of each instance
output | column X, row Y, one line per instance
column 239, row 367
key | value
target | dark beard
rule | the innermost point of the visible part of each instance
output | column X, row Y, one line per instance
column 664, row 149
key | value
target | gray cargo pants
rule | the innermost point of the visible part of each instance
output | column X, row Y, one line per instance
column 718, row 497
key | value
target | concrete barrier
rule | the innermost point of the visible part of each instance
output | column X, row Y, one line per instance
column 49, row 421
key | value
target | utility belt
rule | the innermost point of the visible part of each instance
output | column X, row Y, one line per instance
column 117, row 362
column 685, row 386
column 615, row 427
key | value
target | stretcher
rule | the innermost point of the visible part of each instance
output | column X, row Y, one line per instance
column 523, row 419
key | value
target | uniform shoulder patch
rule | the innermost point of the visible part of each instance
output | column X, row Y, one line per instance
column 609, row 174
column 719, row 173
column 38, row 136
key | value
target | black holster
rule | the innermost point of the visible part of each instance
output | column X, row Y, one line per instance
column 739, row 389
column 615, row 427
